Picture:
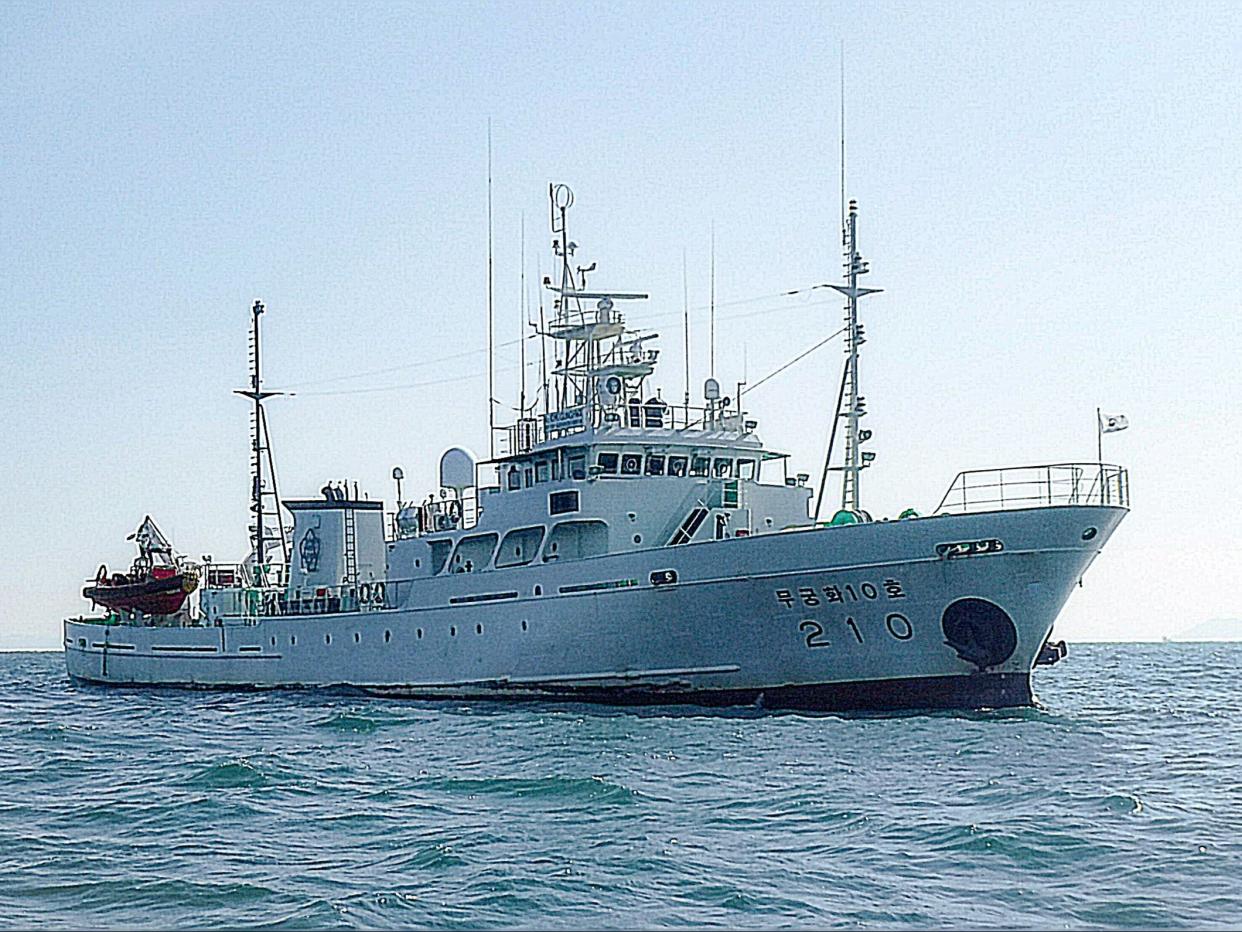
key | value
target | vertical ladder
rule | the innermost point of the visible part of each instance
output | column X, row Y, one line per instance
column 351, row 546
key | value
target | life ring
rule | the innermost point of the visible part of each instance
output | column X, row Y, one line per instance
column 364, row 592
column 380, row 592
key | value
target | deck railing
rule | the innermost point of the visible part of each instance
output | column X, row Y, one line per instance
column 238, row 575
column 1045, row 486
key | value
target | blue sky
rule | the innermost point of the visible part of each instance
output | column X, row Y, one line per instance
column 1050, row 197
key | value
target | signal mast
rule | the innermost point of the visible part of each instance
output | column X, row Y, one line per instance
column 854, row 405
column 267, row 524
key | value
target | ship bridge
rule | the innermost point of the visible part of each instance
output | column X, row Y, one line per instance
column 600, row 462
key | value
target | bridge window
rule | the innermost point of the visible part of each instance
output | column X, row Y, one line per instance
column 607, row 463
column 541, row 471
column 530, row 476
column 577, row 466
column 515, row 479
column 677, row 466
column 655, row 464
column 723, row 468
column 746, row 469
column 700, row 466
column 561, row 503
column 631, row 464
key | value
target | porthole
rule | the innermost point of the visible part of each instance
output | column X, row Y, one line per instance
column 453, row 631
column 638, row 538
column 420, row 633
column 539, row 590
column 1089, row 533
column 418, row 562
column 327, row 639
column 357, row 638
column 293, row 639
column 478, row 629
column 387, row 636
column 273, row 642
column 524, row 625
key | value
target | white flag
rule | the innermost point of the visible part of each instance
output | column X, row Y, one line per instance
column 1113, row 422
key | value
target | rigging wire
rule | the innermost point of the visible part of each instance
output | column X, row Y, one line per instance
column 801, row 356
column 534, row 336
column 463, row 354
column 474, row 375
column 393, row 388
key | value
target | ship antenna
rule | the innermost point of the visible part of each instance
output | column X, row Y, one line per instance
column 711, row 338
column 261, row 450
column 685, row 323
column 522, row 329
column 842, row 142
column 491, row 317
column 543, row 340
column 855, row 404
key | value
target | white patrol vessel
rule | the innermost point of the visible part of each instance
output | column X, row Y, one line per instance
column 626, row 550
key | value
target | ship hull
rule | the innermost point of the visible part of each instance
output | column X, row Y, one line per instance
column 871, row 616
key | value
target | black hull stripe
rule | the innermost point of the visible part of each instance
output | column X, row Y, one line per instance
column 976, row 691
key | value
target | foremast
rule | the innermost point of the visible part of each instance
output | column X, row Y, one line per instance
column 853, row 406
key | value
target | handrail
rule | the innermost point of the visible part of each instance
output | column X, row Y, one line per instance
column 1041, row 486
column 241, row 575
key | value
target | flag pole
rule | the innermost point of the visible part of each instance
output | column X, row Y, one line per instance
column 1099, row 438
column 1099, row 451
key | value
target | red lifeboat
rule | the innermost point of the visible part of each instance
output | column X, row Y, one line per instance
column 157, row 584
column 161, row 591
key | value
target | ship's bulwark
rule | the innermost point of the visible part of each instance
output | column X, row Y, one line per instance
column 862, row 617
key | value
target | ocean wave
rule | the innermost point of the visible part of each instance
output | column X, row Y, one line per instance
column 324, row 809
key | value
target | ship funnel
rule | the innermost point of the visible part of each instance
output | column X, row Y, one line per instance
column 337, row 541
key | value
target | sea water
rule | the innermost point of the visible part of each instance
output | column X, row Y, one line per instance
column 1116, row 803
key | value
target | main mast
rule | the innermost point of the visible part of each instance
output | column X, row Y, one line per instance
column 261, row 450
column 854, row 405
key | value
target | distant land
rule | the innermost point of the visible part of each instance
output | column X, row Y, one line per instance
column 1214, row 629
